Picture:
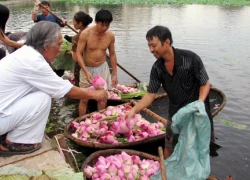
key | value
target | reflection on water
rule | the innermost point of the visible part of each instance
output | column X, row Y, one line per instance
column 218, row 34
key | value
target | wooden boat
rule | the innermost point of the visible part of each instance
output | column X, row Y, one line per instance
column 156, row 112
column 92, row 159
column 68, row 133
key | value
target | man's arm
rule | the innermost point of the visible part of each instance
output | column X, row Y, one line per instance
column 61, row 23
column 81, row 45
column 113, row 61
column 34, row 15
column 35, row 10
column 204, row 91
column 79, row 93
column 147, row 99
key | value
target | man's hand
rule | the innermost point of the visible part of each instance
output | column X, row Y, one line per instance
column 101, row 95
column 89, row 77
column 64, row 22
column 129, row 114
column 36, row 5
column 114, row 80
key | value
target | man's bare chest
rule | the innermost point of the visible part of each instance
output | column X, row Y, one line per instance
column 96, row 42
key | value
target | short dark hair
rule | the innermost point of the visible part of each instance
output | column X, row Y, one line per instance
column 104, row 16
column 46, row 3
column 161, row 32
column 84, row 18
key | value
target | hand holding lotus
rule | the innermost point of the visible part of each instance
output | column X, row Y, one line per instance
column 101, row 95
column 129, row 114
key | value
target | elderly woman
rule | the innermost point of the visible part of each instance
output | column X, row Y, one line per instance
column 27, row 85
column 4, row 40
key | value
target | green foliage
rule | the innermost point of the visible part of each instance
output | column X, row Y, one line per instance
column 63, row 60
column 132, row 95
column 232, row 124
column 52, row 126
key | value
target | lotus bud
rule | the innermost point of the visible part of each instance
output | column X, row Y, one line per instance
column 99, row 83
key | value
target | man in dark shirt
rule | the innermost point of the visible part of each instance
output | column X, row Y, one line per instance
column 180, row 72
column 45, row 16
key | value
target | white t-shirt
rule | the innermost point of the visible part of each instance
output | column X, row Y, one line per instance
column 26, row 71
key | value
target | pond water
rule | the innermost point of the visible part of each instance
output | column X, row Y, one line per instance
column 218, row 34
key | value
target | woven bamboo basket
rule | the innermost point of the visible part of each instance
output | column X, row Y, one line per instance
column 92, row 159
column 68, row 132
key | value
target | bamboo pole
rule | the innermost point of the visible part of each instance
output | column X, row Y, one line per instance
column 128, row 73
column 162, row 164
column 66, row 24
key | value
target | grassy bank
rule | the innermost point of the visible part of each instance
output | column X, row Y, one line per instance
column 210, row 2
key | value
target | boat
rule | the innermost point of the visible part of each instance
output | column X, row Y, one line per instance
column 157, row 111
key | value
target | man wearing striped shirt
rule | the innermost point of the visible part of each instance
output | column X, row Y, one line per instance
column 180, row 72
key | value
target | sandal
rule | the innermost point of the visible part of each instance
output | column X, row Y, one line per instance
column 18, row 148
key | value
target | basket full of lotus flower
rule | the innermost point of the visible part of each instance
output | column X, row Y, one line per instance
column 120, row 164
column 108, row 129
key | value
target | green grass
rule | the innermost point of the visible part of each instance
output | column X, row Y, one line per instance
column 208, row 2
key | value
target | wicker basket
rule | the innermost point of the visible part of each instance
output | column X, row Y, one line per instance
column 92, row 159
column 68, row 131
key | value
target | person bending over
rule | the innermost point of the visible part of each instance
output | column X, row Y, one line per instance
column 181, row 74
column 27, row 85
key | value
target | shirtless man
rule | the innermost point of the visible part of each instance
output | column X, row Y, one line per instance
column 91, row 56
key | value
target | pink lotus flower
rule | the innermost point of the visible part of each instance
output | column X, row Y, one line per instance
column 126, row 168
column 112, row 170
column 91, row 88
column 74, row 125
column 136, row 160
column 121, row 173
column 99, row 83
column 97, row 116
column 105, row 176
column 95, row 176
column 109, row 137
column 89, row 171
column 145, row 164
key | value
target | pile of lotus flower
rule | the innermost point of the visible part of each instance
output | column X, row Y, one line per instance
column 110, row 127
column 122, row 167
column 125, row 92
column 118, row 92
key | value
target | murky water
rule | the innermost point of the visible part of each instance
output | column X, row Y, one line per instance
column 218, row 34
